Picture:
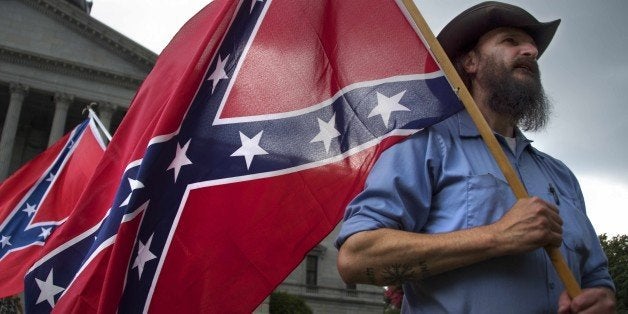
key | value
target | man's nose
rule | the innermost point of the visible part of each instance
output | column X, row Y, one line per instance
column 530, row 50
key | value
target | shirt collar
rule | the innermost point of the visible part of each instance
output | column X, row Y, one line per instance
column 467, row 128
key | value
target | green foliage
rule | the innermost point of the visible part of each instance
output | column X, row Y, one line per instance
column 284, row 303
column 390, row 310
column 616, row 249
column 10, row 305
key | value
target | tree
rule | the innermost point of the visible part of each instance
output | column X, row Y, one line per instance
column 616, row 249
column 284, row 303
column 10, row 305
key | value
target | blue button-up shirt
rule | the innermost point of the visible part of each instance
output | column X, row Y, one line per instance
column 444, row 179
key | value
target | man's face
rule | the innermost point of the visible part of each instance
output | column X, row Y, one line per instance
column 508, row 72
column 512, row 49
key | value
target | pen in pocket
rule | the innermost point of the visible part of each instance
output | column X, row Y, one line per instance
column 554, row 193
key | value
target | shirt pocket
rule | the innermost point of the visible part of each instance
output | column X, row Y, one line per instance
column 488, row 199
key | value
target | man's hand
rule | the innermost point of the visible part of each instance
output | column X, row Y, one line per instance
column 531, row 223
column 592, row 300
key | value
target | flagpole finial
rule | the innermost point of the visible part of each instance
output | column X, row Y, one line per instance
column 89, row 107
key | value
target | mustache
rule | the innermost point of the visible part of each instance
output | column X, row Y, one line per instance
column 527, row 63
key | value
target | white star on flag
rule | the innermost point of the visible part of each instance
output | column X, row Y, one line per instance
column 45, row 232
column 5, row 241
column 51, row 176
column 143, row 255
column 136, row 184
column 386, row 106
column 219, row 72
column 48, row 290
column 30, row 209
column 250, row 148
column 180, row 159
column 327, row 132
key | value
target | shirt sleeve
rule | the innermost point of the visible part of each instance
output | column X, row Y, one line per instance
column 582, row 248
column 595, row 273
column 397, row 192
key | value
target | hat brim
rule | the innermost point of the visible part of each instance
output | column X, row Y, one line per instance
column 463, row 32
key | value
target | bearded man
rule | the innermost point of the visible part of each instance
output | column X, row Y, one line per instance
column 437, row 215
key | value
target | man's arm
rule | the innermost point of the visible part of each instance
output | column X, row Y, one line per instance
column 387, row 256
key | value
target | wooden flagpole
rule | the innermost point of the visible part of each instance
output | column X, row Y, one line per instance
column 565, row 274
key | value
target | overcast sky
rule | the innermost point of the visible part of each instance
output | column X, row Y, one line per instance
column 584, row 71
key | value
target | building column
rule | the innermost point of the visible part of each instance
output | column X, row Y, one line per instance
column 62, row 103
column 105, row 113
column 18, row 92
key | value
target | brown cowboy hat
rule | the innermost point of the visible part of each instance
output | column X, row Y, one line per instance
column 463, row 32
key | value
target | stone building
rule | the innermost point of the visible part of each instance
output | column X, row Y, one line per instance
column 317, row 281
column 55, row 59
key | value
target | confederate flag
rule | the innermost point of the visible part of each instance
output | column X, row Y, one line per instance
column 40, row 196
column 259, row 122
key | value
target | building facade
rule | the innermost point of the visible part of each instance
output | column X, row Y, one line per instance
column 55, row 59
column 317, row 281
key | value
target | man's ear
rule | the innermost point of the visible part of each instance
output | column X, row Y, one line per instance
column 470, row 62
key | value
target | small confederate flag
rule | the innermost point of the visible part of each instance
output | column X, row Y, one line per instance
column 39, row 197
column 259, row 122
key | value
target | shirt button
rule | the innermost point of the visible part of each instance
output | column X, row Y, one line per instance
column 551, row 285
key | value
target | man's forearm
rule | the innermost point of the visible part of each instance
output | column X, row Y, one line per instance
column 386, row 256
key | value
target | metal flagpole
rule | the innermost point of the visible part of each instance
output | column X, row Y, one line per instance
column 565, row 274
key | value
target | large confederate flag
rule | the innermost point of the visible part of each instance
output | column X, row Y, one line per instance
column 40, row 196
column 257, row 125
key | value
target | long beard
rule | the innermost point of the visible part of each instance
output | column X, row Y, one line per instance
column 523, row 101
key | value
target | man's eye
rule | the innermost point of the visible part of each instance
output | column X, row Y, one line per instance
column 511, row 41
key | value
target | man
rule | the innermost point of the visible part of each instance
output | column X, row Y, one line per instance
column 436, row 214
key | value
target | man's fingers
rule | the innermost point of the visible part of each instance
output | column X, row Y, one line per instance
column 594, row 300
column 564, row 303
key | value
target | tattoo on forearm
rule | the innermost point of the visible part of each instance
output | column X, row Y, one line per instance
column 397, row 274
column 424, row 269
column 370, row 274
